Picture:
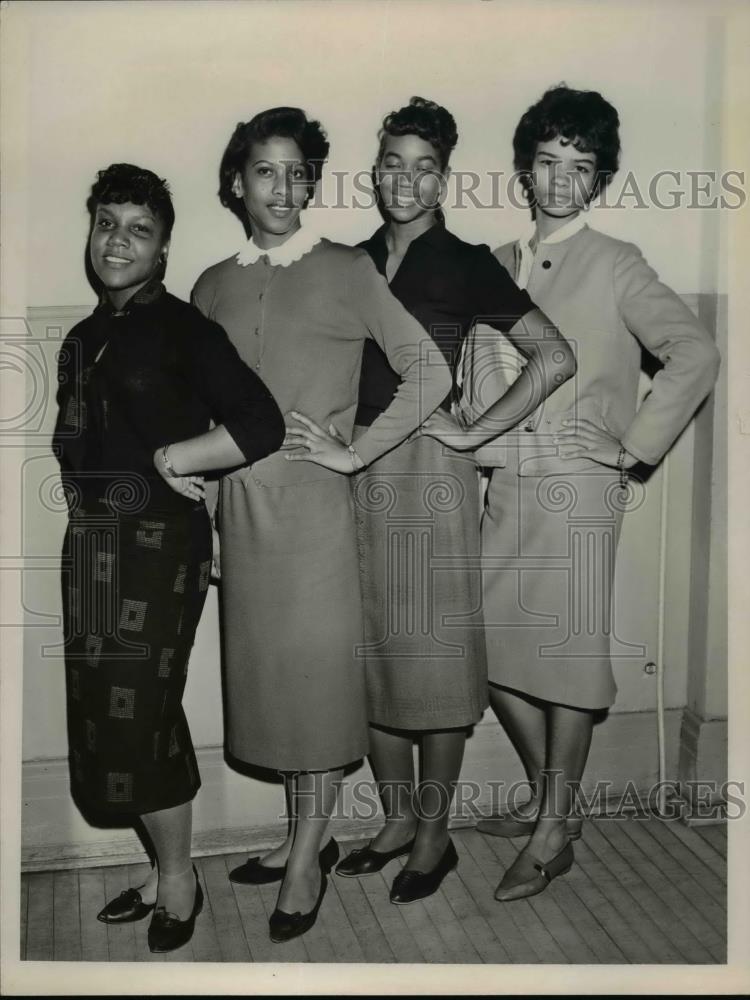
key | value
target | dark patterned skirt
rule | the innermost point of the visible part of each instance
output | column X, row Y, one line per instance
column 134, row 586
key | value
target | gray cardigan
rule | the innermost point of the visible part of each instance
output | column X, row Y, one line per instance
column 302, row 327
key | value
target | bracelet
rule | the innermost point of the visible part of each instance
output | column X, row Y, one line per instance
column 621, row 468
column 354, row 457
column 169, row 468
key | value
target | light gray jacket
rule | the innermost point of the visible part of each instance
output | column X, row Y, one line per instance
column 607, row 301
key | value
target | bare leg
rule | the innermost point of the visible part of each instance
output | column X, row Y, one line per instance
column 170, row 831
column 525, row 721
column 278, row 857
column 443, row 754
column 568, row 741
column 314, row 796
column 391, row 755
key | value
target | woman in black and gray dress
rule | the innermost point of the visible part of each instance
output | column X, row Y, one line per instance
column 143, row 370
column 418, row 506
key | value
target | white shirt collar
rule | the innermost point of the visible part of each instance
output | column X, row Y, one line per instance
column 527, row 254
column 283, row 255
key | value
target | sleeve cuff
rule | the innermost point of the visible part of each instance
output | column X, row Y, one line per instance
column 261, row 436
column 366, row 448
column 648, row 458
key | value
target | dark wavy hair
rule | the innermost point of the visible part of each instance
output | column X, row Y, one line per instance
column 286, row 123
column 583, row 117
column 123, row 182
column 426, row 119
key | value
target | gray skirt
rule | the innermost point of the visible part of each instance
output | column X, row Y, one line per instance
column 548, row 555
column 292, row 622
column 417, row 512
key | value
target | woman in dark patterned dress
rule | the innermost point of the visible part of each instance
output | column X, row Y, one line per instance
column 143, row 370
column 418, row 507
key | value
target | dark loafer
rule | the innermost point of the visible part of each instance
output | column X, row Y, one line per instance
column 507, row 825
column 254, row 873
column 528, row 875
column 166, row 932
column 127, row 907
column 365, row 861
column 410, row 885
column 285, row 926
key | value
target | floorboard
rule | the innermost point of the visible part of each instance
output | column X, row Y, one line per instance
column 641, row 891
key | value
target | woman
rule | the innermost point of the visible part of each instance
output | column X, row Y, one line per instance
column 299, row 310
column 143, row 370
column 565, row 481
column 425, row 653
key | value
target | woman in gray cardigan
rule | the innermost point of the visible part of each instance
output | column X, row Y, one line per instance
column 299, row 310
column 553, row 512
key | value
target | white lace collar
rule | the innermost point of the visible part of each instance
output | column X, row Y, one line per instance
column 300, row 243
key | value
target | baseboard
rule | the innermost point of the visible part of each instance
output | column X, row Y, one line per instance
column 623, row 758
column 703, row 760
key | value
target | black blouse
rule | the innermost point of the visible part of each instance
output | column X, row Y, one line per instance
column 156, row 373
column 449, row 286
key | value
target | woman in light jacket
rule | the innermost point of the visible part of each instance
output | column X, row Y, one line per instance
column 553, row 512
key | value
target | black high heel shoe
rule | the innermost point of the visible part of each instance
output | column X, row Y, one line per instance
column 127, row 907
column 166, row 932
column 285, row 926
column 254, row 873
column 410, row 884
column 366, row 861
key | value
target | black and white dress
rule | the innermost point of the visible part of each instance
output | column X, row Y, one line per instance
column 418, row 506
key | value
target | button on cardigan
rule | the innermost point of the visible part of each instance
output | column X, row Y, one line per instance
column 303, row 327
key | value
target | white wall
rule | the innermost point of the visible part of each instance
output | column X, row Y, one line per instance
column 163, row 85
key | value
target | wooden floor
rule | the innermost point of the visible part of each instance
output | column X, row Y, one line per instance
column 642, row 891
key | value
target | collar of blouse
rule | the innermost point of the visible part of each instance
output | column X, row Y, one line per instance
column 283, row 255
column 151, row 292
column 437, row 238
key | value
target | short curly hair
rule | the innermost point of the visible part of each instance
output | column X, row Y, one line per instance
column 123, row 182
column 583, row 117
column 286, row 123
column 426, row 119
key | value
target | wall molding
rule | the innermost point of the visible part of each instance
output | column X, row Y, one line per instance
column 56, row 836
column 54, row 313
column 703, row 748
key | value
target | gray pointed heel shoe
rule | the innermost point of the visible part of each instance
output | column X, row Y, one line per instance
column 528, row 875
